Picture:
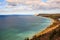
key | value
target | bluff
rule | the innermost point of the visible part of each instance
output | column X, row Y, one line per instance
column 52, row 32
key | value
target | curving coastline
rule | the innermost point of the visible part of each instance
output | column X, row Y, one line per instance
column 52, row 31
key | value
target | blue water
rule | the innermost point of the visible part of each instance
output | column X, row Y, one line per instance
column 15, row 27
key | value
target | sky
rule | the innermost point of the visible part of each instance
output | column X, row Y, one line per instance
column 29, row 7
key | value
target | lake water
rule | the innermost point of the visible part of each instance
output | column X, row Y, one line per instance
column 15, row 27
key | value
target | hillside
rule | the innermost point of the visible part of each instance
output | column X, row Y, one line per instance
column 50, row 33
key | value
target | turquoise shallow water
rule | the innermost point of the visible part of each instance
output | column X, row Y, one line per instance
column 15, row 27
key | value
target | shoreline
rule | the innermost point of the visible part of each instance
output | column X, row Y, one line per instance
column 55, row 24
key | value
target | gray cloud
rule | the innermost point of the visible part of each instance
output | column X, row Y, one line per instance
column 36, row 4
column 30, row 5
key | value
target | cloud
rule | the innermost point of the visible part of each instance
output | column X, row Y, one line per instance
column 36, row 4
column 30, row 5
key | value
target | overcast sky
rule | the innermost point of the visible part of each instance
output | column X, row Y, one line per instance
column 29, row 6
